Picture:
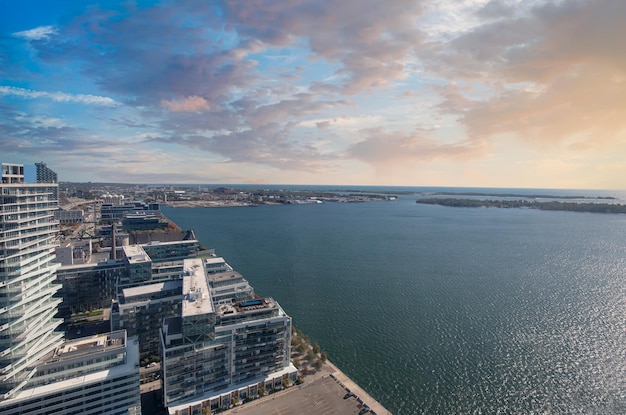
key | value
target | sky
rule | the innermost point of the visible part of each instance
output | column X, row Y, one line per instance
column 476, row 93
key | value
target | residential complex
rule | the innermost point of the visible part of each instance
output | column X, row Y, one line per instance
column 40, row 373
column 141, row 309
column 169, row 300
column 92, row 277
column 27, row 278
column 225, row 343
column 92, row 375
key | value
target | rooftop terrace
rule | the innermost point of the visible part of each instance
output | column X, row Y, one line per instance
column 196, row 294
column 87, row 345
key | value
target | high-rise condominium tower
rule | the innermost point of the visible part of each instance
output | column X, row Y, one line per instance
column 45, row 174
column 27, row 273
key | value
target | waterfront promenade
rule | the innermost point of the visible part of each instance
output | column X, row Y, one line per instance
column 350, row 385
column 321, row 393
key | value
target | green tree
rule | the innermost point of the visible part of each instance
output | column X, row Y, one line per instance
column 316, row 348
column 318, row 364
column 323, row 356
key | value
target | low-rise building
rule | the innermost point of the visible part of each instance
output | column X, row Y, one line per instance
column 175, row 250
column 75, row 252
column 69, row 216
column 110, row 212
column 144, row 221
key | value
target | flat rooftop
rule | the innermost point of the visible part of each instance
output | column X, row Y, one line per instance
column 135, row 254
column 88, row 345
column 97, row 259
column 166, row 243
column 225, row 276
column 130, row 366
column 151, row 288
column 196, row 294
column 214, row 260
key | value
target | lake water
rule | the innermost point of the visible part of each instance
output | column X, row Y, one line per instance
column 444, row 310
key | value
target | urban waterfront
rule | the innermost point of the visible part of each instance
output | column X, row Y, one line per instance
column 434, row 309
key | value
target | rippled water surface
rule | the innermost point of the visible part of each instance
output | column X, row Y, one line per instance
column 445, row 310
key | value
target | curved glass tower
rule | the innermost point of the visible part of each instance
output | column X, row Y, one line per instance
column 27, row 277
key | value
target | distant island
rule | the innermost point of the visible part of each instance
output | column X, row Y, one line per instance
column 529, row 204
column 531, row 196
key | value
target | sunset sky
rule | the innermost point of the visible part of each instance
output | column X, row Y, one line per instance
column 480, row 93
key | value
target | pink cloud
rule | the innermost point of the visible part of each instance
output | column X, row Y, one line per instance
column 189, row 104
column 383, row 148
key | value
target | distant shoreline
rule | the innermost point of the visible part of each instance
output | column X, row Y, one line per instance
column 528, row 204
column 531, row 196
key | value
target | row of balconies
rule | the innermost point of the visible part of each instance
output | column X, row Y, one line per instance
column 29, row 264
column 28, row 219
column 10, row 212
column 182, row 366
column 23, row 243
column 256, row 351
column 11, row 205
column 10, row 253
column 258, row 341
column 179, row 372
column 256, row 362
column 47, row 231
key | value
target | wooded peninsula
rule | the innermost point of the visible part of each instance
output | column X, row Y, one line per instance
column 528, row 204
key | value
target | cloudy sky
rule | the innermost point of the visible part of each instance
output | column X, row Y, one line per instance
column 490, row 93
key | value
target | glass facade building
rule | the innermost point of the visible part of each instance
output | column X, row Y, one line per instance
column 225, row 340
column 27, row 277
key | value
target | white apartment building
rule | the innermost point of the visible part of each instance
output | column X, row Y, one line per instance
column 27, row 278
column 95, row 375
column 39, row 372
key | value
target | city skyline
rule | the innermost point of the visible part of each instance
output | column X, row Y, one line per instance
column 470, row 93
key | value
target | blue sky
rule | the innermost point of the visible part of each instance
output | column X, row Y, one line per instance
column 435, row 93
